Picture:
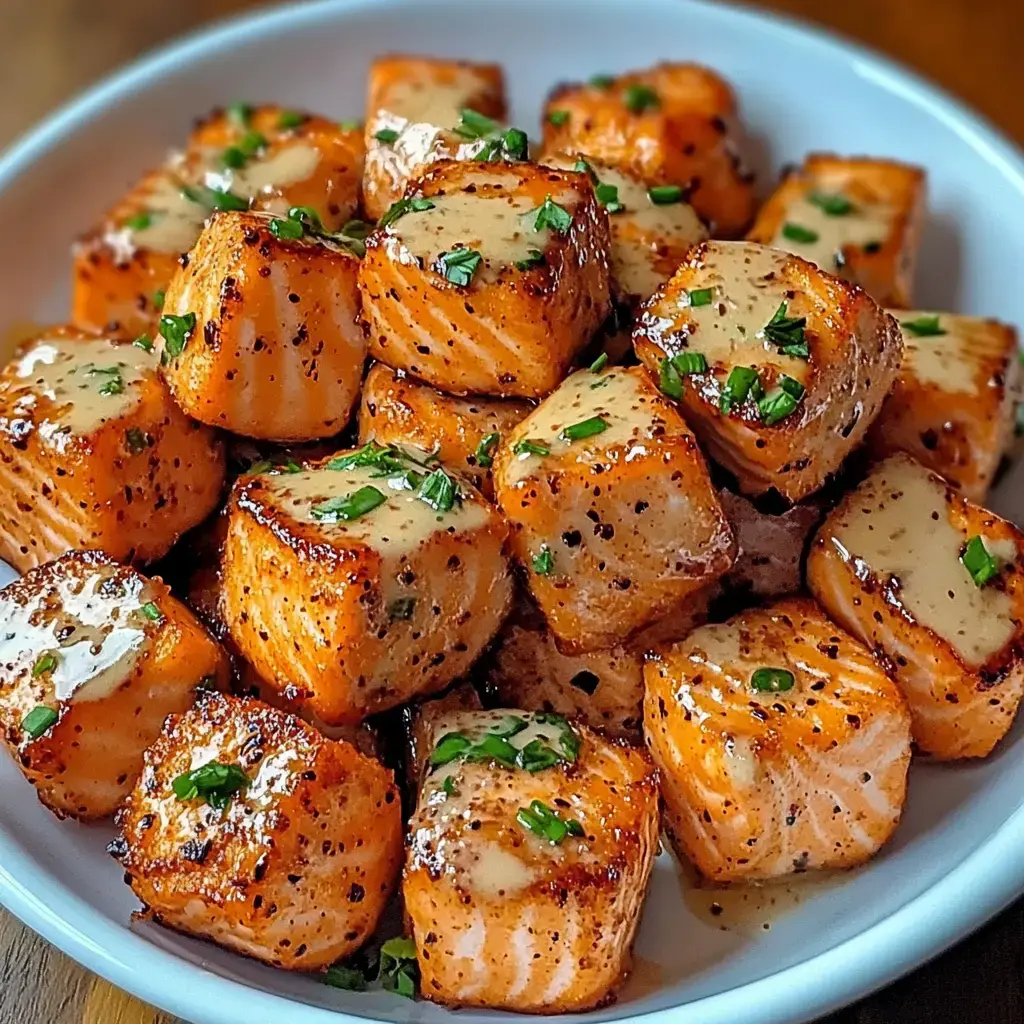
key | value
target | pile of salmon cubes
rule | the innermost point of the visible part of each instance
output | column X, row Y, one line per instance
column 551, row 481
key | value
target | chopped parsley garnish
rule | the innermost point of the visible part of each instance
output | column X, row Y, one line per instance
column 459, row 266
column 474, row 125
column 674, row 368
column 602, row 81
column 176, row 331
column 979, row 562
column 608, row 197
column 139, row 221
column 599, row 363
column 240, row 113
column 289, row 229
column 386, row 135
column 351, row 228
column 485, row 450
column 449, row 785
column 387, row 459
column 665, row 195
column 158, row 299
column 214, row 782
column 772, row 680
column 145, row 342
column 639, row 98
column 135, row 440
column 742, row 381
column 38, row 720
column 924, row 326
column 511, row 144
column 402, row 207
column 152, row 612
column 306, row 216
column 542, row 821
column 551, row 215
column 528, row 446
column 534, row 258
column 350, row 506
column 351, row 979
column 114, row 383
column 788, row 333
column 494, row 745
column 781, row 401
column 44, row 663
column 214, row 198
column 584, row 429
column 543, row 563
column 399, row 969
column 558, row 118
column 438, row 490
column 700, row 297
column 244, row 150
column 290, row 119
column 582, row 167
column 832, row 205
column 798, row 233
column 401, row 609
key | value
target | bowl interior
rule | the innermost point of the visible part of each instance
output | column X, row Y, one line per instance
column 797, row 93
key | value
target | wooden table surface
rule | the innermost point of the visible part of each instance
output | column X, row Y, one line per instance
column 972, row 47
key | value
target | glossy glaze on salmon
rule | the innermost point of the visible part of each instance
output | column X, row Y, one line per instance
column 291, row 860
column 93, row 657
column 506, row 917
column 260, row 333
column 94, row 453
column 781, row 743
column 526, row 291
column 670, row 124
column 933, row 584
column 780, row 368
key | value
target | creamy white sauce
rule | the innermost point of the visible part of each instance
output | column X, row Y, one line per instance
column 288, row 166
column 93, row 625
column 899, row 526
column 492, row 870
column 949, row 361
column 432, row 103
column 72, row 375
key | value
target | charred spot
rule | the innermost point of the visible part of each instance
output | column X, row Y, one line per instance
column 356, row 893
column 118, row 847
column 585, row 681
column 572, row 538
column 196, row 851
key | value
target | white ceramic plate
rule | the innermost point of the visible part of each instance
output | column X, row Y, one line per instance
column 958, row 856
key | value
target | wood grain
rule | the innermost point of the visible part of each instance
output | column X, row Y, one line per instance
column 972, row 47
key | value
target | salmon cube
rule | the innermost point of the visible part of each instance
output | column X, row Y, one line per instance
column 779, row 368
column 463, row 432
column 264, row 158
column 932, row 583
column 528, row 862
column 855, row 217
column 94, row 453
column 250, row 829
column 260, row 333
column 419, row 721
column 364, row 580
column 414, row 117
column 781, row 743
column 955, row 399
column 615, row 518
column 669, row 125
column 488, row 279
column 93, row 657
column 651, row 228
column 602, row 689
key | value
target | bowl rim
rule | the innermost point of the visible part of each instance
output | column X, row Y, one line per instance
column 991, row 876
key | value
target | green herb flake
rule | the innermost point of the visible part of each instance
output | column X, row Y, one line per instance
column 402, row 207
column 386, row 135
column 831, row 204
column 543, row 563
column 214, row 198
column 449, row 785
column 136, row 440
column 608, row 196
column 787, row 332
column 484, row 454
column 542, row 821
column 551, row 215
column 798, row 233
column 350, row 506
column 176, row 332
column 474, row 125
column 287, row 229
column 307, row 216
column 38, row 720
column 351, row 979
column 438, row 491
column 669, row 380
column 240, row 114
column 772, row 680
column 139, row 221
column 44, row 663
column 700, row 297
column 459, row 266
column 603, row 82
column 528, row 446
column 639, row 98
column 924, row 326
column 599, row 363
column 448, row 748
column 742, row 381
column 214, row 782
column 145, row 342
column 665, row 195
column 290, row 119
column 158, row 299
column 781, row 401
column 399, row 969
column 152, row 612
column 690, row 362
column 558, row 118
column 534, row 258
column 584, row 429
column 982, row 565
column 401, row 609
